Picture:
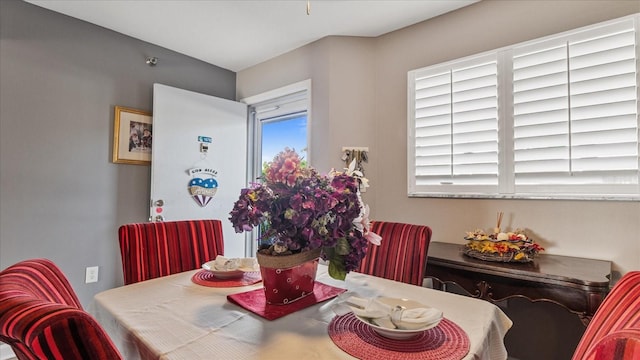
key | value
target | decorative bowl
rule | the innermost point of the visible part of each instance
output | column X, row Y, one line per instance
column 227, row 274
column 246, row 265
column 400, row 334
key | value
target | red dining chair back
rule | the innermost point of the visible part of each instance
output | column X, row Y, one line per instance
column 41, row 316
column 402, row 253
column 151, row 250
column 614, row 331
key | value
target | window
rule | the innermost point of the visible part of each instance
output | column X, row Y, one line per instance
column 456, row 125
column 283, row 131
column 553, row 118
column 277, row 119
column 276, row 124
column 575, row 112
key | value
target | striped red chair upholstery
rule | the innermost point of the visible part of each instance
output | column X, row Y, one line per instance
column 402, row 254
column 151, row 250
column 619, row 345
column 41, row 316
column 614, row 330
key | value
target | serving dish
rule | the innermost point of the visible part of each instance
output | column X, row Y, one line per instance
column 245, row 265
column 227, row 274
column 399, row 334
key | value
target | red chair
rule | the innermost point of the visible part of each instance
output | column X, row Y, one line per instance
column 402, row 254
column 151, row 250
column 614, row 330
column 41, row 316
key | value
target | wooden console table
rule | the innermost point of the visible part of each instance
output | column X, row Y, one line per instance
column 576, row 284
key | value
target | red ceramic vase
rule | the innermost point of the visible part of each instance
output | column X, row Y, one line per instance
column 288, row 278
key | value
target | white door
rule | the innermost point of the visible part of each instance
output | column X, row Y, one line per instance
column 199, row 159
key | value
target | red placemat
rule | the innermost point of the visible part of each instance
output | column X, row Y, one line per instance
column 447, row 341
column 255, row 301
column 206, row 278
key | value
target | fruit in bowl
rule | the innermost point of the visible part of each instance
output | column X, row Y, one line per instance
column 513, row 246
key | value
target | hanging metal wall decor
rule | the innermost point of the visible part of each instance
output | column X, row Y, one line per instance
column 203, row 184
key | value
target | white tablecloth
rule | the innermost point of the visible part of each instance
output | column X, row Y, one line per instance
column 173, row 318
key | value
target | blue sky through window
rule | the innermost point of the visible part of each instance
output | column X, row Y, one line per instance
column 276, row 135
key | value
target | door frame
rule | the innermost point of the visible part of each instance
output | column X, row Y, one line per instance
column 254, row 158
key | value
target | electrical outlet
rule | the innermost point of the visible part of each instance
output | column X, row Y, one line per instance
column 91, row 275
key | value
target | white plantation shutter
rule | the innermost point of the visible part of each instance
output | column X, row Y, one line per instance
column 552, row 118
column 575, row 112
column 455, row 126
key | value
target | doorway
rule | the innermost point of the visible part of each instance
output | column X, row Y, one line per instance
column 277, row 119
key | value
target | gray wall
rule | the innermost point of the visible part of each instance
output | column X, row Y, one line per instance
column 61, row 197
column 364, row 84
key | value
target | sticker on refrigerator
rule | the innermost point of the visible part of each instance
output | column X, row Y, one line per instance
column 203, row 185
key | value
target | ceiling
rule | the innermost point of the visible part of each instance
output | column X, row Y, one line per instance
column 238, row 34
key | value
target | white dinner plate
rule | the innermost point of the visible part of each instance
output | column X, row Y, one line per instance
column 398, row 334
column 227, row 274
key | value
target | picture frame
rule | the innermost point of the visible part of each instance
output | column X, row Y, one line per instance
column 132, row 136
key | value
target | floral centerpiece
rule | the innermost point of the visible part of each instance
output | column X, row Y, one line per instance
column 300, row 210
column 513, row 246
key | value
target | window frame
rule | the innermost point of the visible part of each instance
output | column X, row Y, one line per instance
column 507, row 188
column 475, row 190
column 293, row 98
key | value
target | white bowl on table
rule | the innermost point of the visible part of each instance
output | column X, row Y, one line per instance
column 405, row 329
column 245, row 265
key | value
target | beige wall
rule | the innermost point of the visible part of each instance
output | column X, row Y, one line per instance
column 359, row 98
column 337, row 66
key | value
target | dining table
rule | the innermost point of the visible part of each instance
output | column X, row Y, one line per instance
column 191, row 316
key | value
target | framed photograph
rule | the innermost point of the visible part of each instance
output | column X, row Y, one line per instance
column 132, row 136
